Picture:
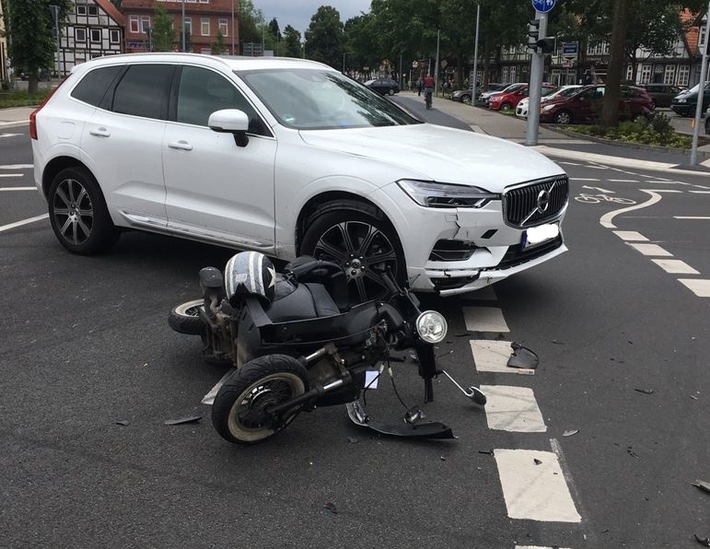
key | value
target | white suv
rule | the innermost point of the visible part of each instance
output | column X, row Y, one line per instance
column 289, row 157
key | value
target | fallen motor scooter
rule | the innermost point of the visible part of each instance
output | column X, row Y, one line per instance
column 296, row 345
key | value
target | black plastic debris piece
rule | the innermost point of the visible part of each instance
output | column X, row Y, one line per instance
column 330, row 506
column 487, row 452
column 537, row 461
column 183, row 420
column 705, row 542
column 557, row 342
column 704, row 486
column 522, row 357
column 353, row 440
column 644, row 391
column 570, row 432
column 123, row 422
column 631, row 452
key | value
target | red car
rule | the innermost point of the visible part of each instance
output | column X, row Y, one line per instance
column 586, row 106
column 509, row 98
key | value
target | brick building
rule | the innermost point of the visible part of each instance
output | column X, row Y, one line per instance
column 203, row 20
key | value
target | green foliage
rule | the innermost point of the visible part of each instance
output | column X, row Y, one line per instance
column 218, row 46
column 292, row 43
column 249, row 21
column 22, row 99
column 656, row 132
column 325, row 38
column 163, row 34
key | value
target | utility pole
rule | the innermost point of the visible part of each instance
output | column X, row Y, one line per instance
column 183, row 26
column 537, row 66
column 701, row 92
column 475, row 59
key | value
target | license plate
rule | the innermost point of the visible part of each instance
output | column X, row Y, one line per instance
column 537, row 235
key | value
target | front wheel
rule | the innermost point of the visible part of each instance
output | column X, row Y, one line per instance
column 563, row 117
column 78, row 213
column 240, row 412
column 361, row 240
column 185, row 318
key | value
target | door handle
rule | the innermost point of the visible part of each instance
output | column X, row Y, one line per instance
column 180, row 145
column 100, row 132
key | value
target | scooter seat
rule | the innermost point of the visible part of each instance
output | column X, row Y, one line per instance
column 300, row 301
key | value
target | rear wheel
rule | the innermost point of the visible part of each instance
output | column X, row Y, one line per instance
column 563, row 117
column 185, row 318
column 361, row 240
column 240, row 412
column 78, row 213
column 506, row 107
column 466, row 99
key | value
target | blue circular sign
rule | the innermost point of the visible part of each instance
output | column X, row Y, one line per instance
column 543, row 6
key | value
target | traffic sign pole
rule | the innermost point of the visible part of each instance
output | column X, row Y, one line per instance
column 537, row 67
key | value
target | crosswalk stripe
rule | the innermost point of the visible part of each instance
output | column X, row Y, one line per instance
column 650, row 249
column 699, row 287
column 675, row 266
column 513, row 409
column 534, row 486
column 491, row 356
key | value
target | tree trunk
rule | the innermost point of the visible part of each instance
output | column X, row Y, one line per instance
column 612, row 95
column 33, row 83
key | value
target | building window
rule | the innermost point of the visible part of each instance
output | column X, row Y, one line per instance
column 188, row 26
column 645, row 74
column 145, row 23
column 80, row 9
column 95, row 36
column 115, row 36
column 80, row 35
column 205, row 26
column 133, row 22
column 224, row 26
column 93, row 10
column 204, row 1
column 669, row 75
column 629, row 72
column 683, row 75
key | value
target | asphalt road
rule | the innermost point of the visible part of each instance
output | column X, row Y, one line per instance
column 621, row 388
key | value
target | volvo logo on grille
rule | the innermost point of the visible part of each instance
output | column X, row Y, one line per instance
column 543, row 201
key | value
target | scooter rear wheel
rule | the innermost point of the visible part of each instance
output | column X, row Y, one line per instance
column 185, row 319
column 239, row 412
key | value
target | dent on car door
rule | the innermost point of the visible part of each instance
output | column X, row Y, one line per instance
column 121, row 143
column 217, row 190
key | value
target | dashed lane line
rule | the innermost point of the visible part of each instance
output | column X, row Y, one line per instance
column 8, row 189
column 11, row 175
column 484, row 319
column 699, row 287
column 16, row 166
column 692, row 217
column 630, row 236
column 650, row 249
column 513, row 409
column 23, row 222
column 675, row 266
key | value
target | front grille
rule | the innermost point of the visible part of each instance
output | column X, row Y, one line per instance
column 535, row 203
column 452, row 250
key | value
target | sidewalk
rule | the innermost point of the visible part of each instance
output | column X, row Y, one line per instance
column 17, row 116
column 556, row 144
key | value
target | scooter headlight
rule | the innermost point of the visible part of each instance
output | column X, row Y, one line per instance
column 431, row 326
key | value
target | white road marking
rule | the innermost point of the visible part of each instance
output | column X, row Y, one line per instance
column 534, row 487
column 23, row 222
column 607, row 219
column 699, row 192
column 675, row 266
column 9, row 134
column 17, row 188
column 17, row 167
column 484, row 319
column 513, row 409
column 650, row 249
column 630, row 235
column 537, row 547
column 605, row 191
column 10, row 175
column 697, row 217
column 592, row 179
column 623, row 180
column 699, row 287
column 491, row 356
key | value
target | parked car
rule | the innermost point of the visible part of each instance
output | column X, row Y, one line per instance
column 662, row 94
column 685, row 103
column 462, row 96
column 508, row 99
column 586, row 105
column 289, row 157
column 491, row 90
column 383, row 86
column 563, row 91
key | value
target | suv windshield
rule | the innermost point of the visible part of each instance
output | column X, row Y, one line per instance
column 314, row 99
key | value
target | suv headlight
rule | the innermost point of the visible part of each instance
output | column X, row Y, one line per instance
column 681, row 99
column 446, row 195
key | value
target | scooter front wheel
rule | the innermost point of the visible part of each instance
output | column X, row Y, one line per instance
column 240, row 409
column 185, row 319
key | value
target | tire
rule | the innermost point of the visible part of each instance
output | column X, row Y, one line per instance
column 78, row 213
column 466, row 99
column 184, row 318
column 359, row 238
column 506, row 107
column 238, row 409
column 563, row 117
column 390, row 92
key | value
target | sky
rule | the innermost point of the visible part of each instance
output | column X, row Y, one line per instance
column 298, row 13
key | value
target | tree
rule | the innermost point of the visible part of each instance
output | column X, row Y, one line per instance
column 249, row 19
column 324, row 37
column 292, row 42
column 163, row 32
column 218, row 46
column 32, row 45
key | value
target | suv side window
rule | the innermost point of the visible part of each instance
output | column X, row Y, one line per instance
column 203, row 92
column 93, row 86
column 143, row 91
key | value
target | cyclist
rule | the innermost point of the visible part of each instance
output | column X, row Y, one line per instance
column 428, row 85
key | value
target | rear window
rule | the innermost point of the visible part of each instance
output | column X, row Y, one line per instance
column 93, row 86
column 143, row 91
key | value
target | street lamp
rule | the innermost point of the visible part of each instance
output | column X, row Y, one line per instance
column 55, row 17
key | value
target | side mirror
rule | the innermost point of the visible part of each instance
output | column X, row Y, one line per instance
column 231, row 121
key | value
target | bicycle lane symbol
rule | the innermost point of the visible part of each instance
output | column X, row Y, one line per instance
column 603, row 195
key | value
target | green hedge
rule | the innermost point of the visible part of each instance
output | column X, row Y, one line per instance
column 21, row 99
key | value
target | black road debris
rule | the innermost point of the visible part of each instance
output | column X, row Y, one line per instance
column 183, row 420
column 644, row 391
column 522, row 357
column 705, row 542
column 704, row 486
column 570, row 432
